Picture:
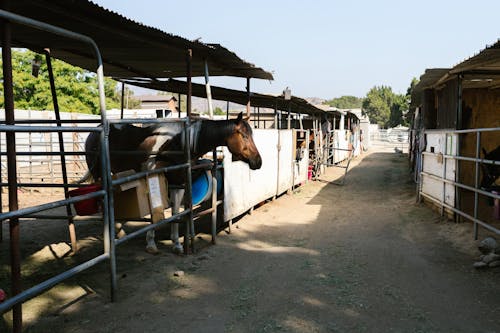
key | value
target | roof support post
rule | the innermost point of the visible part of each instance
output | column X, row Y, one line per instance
column 189, row 233
column 276, row 115
column 288, row 123
column 227, row 110
column 248, row 97
column 209, row 92
column 458, row 200
column 179, row 104
column 71, row 225
column 122, row 100
column 15, row 253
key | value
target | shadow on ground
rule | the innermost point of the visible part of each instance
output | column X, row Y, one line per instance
column 363, row 257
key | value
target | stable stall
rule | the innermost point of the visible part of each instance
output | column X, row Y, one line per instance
column 454, row 137
column 285, row 151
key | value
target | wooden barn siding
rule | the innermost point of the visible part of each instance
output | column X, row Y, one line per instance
column 447, row 98
column 485, row 112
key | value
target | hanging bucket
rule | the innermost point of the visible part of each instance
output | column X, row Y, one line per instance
column 89, row 206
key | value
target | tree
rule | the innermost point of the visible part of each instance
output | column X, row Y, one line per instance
column 346, row 102
column 219, row 112
column 385, row 108
column 377, row 105
column 399, row 108
column 76, row 88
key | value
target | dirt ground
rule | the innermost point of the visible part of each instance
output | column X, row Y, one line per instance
column 363, row 257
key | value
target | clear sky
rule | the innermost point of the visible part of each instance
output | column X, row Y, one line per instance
column 327, row 49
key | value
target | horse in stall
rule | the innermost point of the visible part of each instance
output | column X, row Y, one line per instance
column 491, row 172
column 151, row 145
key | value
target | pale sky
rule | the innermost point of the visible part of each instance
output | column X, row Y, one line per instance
column 327, row 48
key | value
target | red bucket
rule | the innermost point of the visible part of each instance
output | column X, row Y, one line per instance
column 89, row 206
column 310, row 172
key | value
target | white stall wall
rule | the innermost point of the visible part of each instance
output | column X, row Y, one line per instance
column 434, row 163
column 285, row 156
column 341, row 144
column 244, row 188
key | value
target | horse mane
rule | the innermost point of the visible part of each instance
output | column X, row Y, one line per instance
column 209, row 135
column 213, row 133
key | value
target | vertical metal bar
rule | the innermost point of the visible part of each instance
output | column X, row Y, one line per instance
column 188, row 199
column 209, row 91
column 189, row 85
column 179, row 103
column 108, row 212
column 476, row 182
column 276, row 125
column 108, row 209
column 71, row 225
column 214, row 196
column 258, row 117
column 15, row 253
column 248, row 97
column 443, row 198
column 458, row 126
column 122, row 100
column 227, row 110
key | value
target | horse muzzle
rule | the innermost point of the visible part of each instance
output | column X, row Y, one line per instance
column 255, row 163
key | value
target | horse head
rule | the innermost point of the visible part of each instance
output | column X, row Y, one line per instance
column 490, row 171
column 241, row 145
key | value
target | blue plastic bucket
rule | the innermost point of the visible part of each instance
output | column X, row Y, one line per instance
column 202, row 186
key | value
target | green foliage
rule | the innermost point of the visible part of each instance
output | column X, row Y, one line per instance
column 219, row 112
column 76, row 88
column 346, row 102
column 384, row 107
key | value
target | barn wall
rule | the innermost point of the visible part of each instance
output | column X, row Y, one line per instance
column 480, row 110
column 447, row 98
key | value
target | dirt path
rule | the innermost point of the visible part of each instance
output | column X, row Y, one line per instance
column 359, row 258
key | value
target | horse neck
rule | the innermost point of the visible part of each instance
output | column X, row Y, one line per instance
column 213, row 134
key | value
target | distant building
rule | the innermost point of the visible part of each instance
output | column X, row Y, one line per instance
column 163, row 104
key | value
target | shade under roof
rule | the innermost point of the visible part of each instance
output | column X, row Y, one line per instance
column 297, row 104
column 129, row 49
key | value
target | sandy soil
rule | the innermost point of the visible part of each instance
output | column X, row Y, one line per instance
column 363, row 257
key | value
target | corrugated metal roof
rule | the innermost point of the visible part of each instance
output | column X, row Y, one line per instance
column 488, row 60
column 297, row 104
column 129, row 49
column 479, row 71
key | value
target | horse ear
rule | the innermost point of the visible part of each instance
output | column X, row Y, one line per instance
column 240, row 117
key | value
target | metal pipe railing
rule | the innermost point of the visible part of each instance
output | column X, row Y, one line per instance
column 475, row 189
column 20, row 296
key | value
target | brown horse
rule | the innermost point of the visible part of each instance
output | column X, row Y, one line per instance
column 150, row 145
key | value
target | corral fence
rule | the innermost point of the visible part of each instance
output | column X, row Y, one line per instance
column 37, row 152
column 396, row 138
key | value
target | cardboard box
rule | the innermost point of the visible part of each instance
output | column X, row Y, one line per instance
column 137, row 198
